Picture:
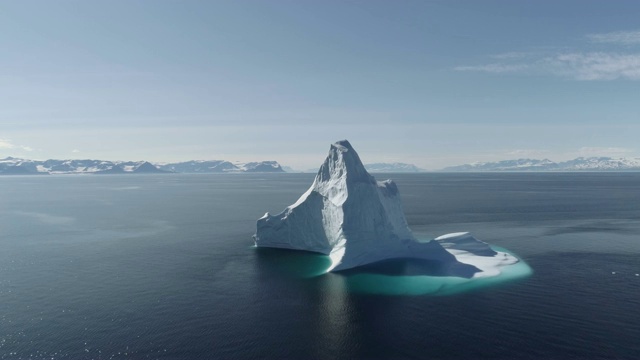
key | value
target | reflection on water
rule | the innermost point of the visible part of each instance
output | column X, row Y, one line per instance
column 334, row 313
column 393, row 277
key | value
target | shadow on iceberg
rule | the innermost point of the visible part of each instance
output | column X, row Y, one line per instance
column 305, row 264
column 415, row 267
column 389, row 277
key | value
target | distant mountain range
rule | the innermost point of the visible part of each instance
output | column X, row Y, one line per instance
column 15, row 166
column 221, row 166
column 391, row 168
column 579, row 164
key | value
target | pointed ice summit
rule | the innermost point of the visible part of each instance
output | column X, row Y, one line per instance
column 356, row 220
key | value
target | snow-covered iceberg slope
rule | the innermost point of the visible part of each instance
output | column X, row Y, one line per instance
column 356, row 220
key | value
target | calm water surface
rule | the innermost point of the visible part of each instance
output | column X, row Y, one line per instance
column 162, row 266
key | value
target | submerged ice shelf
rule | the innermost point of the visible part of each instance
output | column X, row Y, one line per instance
column 356, row 220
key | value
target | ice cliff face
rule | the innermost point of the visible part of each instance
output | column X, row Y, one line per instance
column 347, row 215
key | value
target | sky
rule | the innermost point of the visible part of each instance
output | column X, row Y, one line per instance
column 433, row 83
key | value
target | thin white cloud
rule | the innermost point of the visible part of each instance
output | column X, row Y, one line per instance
column 605, row 151
column 8, row 144
column 618, row 37
column 528, row 153
column 594, row 66
column 577, row 65
column 495, row 68
column 511, row 55
column 75, row 151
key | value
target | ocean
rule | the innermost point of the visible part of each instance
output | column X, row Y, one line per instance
column 163, row 267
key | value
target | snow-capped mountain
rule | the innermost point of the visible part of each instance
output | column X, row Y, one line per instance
column 579, row 164
column 15, row 166
column 28, row 167
column 221, row 166
column 262, row 166
column 199, row 166
column 602, row 163
column 391, row 168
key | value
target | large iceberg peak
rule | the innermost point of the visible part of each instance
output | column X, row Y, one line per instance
column 355, row 220
column 348, row 215
column 340, row 170
column 343, row 161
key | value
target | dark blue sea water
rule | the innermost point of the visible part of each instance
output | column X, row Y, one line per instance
column 162, row 266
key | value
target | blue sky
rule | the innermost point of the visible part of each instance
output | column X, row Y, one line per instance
column 433, row 83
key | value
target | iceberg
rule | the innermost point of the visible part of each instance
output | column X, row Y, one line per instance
column 356, row 220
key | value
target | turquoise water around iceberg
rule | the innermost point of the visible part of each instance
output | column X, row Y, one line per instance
column 372, row 283
column 393, row 277
column 294, row 263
